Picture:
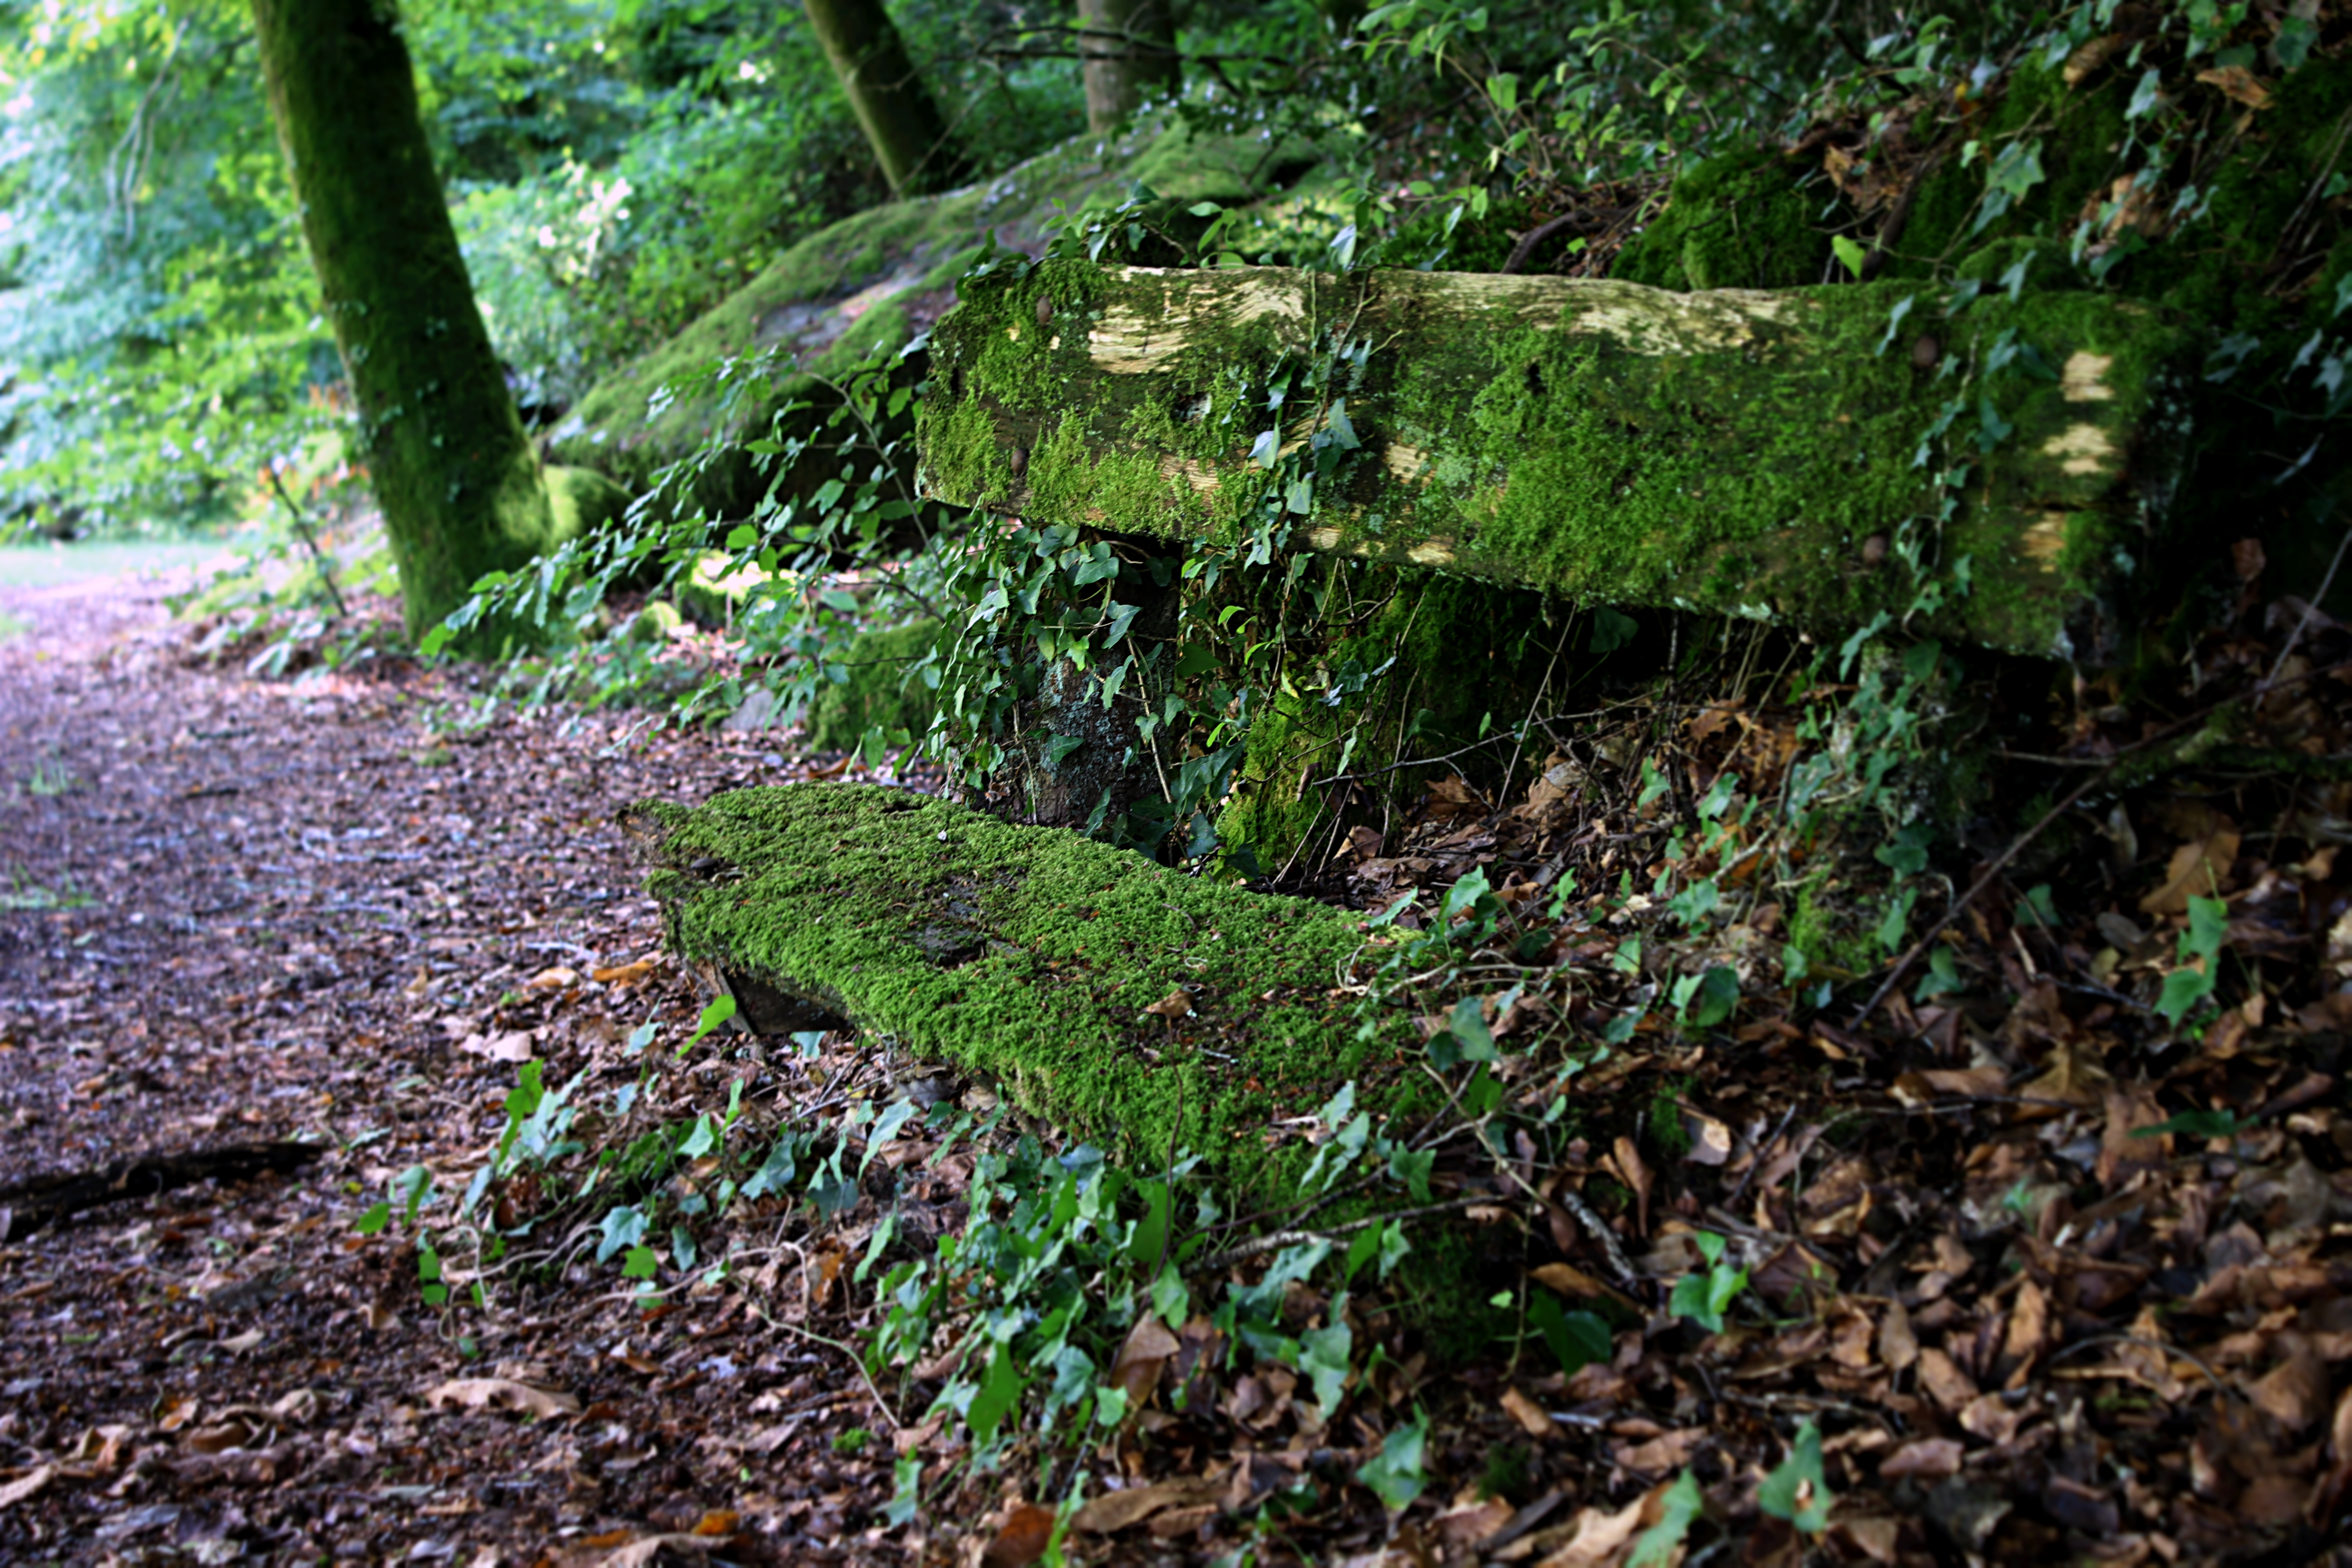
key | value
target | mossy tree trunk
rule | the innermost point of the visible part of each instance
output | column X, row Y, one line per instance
column 1128, row 47
column 892, row 105
column 460, row 486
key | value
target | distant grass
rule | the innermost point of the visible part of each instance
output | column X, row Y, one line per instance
column 11, row 628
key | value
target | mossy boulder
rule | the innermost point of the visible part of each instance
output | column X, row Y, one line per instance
column 713, row 591
column 582, row 500
column 882, row 687
column 870, row 284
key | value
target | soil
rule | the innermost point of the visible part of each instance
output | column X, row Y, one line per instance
column 240, row 910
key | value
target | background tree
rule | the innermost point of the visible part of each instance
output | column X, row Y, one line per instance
column 456, row 477
column 892, row 105
column 1128, row 47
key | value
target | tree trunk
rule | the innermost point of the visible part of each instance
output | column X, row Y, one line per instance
column 1746, row 453
column 456, row 475
column 893, row 107
column 1130, row 50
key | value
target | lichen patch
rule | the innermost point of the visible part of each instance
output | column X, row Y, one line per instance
column 2084, row 377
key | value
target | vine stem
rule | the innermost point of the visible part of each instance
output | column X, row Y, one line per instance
column 854, row 1360
column 2178, row 726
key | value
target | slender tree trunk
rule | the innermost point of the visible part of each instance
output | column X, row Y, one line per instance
column 458, row 482
column 892, row 105
column 1130, row 50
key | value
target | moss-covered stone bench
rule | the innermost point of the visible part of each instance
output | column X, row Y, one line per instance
column 1110, row 996
column 1761, row 453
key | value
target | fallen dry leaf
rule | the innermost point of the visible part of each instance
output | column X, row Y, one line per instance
column 27, row 1485
column 1021, row 1539
column 1531, row 1416
column 1148, row 1349
column 1600, row 1533
column 556, row 977
column 625, row 973
column 509, row 1046
column 1472, row 1523
column 230, row 1429
column 2196, row 870
column 1897, row 1346
column 1946, row 1384
column 2295, row 1392
column 1114, row 1511
column 2238, row 84
column 502, row 1394
column 1924, row 1459
column 1175, row 1004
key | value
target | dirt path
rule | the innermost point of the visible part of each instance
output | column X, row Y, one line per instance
column 235, row 911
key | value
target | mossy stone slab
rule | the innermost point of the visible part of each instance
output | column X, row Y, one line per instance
column 1748, row 452
column 868, row 285
column 1031, row 955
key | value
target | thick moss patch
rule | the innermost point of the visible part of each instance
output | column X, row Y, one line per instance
column 883, row 691
column 1740, row 452
column 1031, row 955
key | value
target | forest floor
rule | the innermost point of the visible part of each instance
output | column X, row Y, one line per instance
column 2040, row 1280
column 240, row 910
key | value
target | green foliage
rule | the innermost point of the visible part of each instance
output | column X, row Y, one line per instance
column 1796, row 1490
column 1704, row 1295
column 2187, row 988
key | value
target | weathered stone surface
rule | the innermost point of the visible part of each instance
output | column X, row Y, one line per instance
column 868, row 285
column 1755, row 453
column 1040, row 958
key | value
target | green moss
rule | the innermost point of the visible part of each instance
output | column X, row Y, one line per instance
column 1465, row 659
column 2210, row 253
column 711, row 594
column 1738, row 221
column 1030, row 955
column 582, row 500
column 864, row 287
column 883, row 688
column 1732, row 454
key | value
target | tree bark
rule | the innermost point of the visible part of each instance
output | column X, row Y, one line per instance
column 1748, row 453
column 447, row 454
column 892, row 105
column 1128, row 48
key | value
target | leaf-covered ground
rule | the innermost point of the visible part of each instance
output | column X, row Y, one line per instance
column 2018, row 1272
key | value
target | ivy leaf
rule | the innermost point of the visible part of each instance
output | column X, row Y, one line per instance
column 1849, row 253
column 1678, row 1508
column 1471, row 1036
column 1797, row 1491
column 2199, row 1124
column 722, row 1008
column 999, row 1393
column 1577, row 1339
column 2183, row 990
column 1267, row 448
column 1395, row 1474
column 622, row 1226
